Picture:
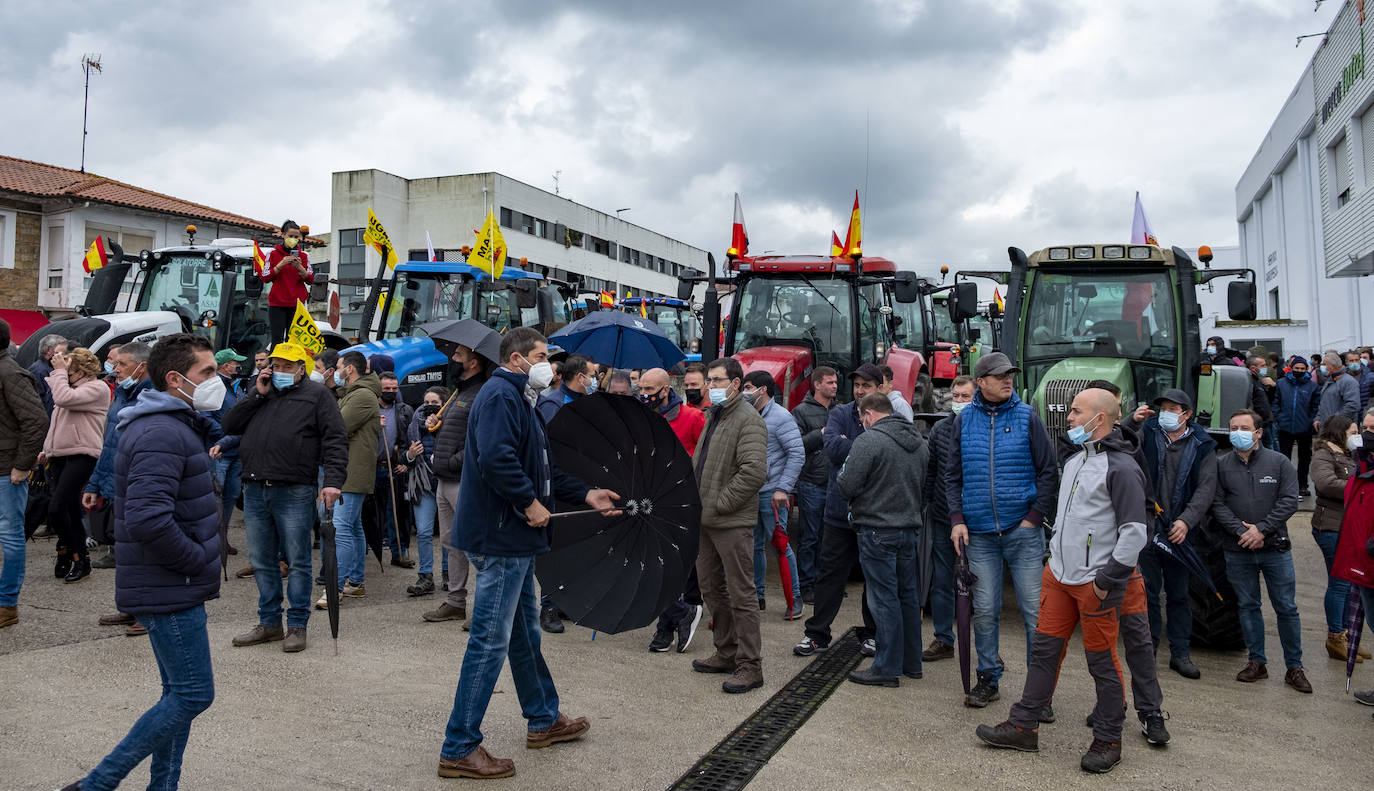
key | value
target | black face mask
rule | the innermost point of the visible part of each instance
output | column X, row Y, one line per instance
column 694, row 395
column 388, row 398
column 429, row 409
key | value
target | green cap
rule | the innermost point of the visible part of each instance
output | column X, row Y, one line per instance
column 225, row 355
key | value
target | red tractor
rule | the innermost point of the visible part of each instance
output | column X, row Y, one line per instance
column 790, row 314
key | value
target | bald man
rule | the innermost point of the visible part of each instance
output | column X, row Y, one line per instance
column 682, row 617
column 1091, row 577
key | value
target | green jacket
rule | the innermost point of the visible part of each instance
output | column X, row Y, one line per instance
column 731, row 464
column 362, row 417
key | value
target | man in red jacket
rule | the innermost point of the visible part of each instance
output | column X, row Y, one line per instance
column 289, row 272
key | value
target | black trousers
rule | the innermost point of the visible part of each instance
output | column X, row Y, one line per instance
column 1304, row 443
column 839, row 552
column 278, row 319
column 69, row 475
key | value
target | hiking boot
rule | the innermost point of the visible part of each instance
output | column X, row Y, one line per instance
column 983, row 693
column 1010, row 737
column 807, row 647
column 1253, row 671
column 745, row 678
column 687, row 627
column 105, row 561
column 9, row 616
column 1102, row 757
column 795, row 613
column 936, row 651
column 259, row 634
column 116, row 619
column 1297, row 679
column 285, row 569
column 352, row 591
column 1366, row 698
column 1337, row 647
column 478, row 764
column 1152, row 725
column 662, row 639
column 549, row 620
column 81, row 569
column 135, row 629
column 245, row 572
column 869, row 647
column 295, row 640
column 1046, row 714
column 564, row 729
column 424, row 585
column 445, row 612
column 715, row 663
column 870, row 679
column 1183, row 665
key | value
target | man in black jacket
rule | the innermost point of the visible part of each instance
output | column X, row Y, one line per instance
column 938, row 526
column 811, row 416
column 291, row 428
column 391, row 481
column 450, row 428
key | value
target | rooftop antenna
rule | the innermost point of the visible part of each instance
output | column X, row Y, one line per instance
column 556, row 175
column 88, row 61
column 1309, row 35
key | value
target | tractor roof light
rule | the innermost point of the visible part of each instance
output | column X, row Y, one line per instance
column 1059, row 253
column 1140, row 253
column 1114, row 251
column 1083, row 252
column 842, row 269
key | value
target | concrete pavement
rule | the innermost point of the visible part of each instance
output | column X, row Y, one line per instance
column 373, row 717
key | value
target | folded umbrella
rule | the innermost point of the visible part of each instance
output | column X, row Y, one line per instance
column 925, row 563
column 1354, row 626
column 1184, row 553
column 329, row 569
column 963, row 611
column 619, row 340
column 779, row 542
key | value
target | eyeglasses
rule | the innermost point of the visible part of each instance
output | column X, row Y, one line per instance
column 717, row 380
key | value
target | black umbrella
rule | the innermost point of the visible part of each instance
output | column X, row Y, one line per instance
column 963, row 610
column 329, row 569
column 619, row 573
column 1184, row 553
column 468, row 332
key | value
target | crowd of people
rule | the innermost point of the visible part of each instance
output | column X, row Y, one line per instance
column 169, row 439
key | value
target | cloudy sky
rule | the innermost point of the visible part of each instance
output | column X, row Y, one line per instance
column 968, row 125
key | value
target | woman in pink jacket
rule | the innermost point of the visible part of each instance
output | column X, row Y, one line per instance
column 75, row 435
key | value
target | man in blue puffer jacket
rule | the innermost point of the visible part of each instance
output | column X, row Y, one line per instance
column 1296, row 399
column 167, row 542
column 1000, row 483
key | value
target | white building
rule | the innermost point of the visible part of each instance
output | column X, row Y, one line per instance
column 556, row 237
column 1305, row 204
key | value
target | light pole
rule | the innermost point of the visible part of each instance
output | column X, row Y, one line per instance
column 617, row 252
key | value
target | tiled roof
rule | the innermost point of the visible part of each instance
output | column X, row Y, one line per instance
column 50, row 181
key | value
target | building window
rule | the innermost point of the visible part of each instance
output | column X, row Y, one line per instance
column 526, row 223
column 505, row 217
column 8, row 221
column 1340, row 171
column 1274, row 302
column 55, row 257
column 132, row 240
column 352, row 261
column 541, row 228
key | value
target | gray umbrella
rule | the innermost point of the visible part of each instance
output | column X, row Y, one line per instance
column 466, row 332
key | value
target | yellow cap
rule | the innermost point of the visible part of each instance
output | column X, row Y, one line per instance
column 292, row 352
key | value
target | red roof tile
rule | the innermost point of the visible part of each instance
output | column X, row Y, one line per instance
column 50, row 181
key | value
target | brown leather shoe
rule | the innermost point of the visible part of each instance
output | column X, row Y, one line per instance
column 135, row 629
column 746, row 677
column 116, row 619
column 259, row 634
column 478, row 764
column 562, row 730
column 294, row 642
column 1253, row 671
column 445, row 612
column 285, row 569
column 1297, row 679
column 937, row 650
column 713, row 664
column 244, row 573
column 9, row 616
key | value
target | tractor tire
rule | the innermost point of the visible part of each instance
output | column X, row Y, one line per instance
column 1216, row 621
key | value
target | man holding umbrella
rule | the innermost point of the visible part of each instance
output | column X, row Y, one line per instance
column 1182, row 469
column 503, row 525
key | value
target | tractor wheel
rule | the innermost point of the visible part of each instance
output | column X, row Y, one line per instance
column 1216, row 621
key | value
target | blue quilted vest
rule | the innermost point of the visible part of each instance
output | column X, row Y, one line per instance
column 999, row 474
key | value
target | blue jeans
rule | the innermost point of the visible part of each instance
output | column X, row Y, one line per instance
column 1165, row 575
column 181, row 646
column 763, row 531
column 1243, row 569
column 278, row 520
column 810, row 523
column 381, row 499
column 505, row 621
column 942, row 583
column 426, row 512
column 229, row 473
column 349, row 543
column 1336, row 589
column 891, row 573
column 1022, row 549
column 13, row 498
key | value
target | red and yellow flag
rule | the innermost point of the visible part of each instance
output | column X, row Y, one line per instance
column 835, row 248
column 997, row 300
column 607, row 300
column 853, row 238
column 259, row 260
column 96, row 257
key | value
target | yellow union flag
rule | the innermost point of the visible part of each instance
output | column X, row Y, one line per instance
column 304, row 331
column 375, row 235
column 482, row 256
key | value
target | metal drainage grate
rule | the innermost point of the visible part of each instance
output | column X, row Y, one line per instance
column 731, row 764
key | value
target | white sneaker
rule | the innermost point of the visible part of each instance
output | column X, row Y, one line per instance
column 323, row 603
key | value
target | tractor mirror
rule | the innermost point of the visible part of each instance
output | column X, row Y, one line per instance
column 1086, row 291
column 684, row 287
column 526, row 292
column 252, row 286
column 547, row 300
column 1240, row 300
column 906, row 287
column 963, row 302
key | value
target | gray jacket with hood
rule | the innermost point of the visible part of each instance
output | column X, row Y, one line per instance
column 882, row 477
column 1100, row 525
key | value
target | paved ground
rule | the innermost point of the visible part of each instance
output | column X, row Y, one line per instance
column 373, row 716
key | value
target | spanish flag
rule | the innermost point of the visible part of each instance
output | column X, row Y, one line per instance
column 607, row 301
column 835, row 248
column 259, row 260
column 96, row 257
column 853, row 238
column 997, row 300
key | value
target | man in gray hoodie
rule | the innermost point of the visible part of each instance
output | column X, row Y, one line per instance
column 885, row 510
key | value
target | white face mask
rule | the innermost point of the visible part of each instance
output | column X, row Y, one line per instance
column 208, row 395
column 958, row 406
column 316, row 376
column 1354, row 442
column 540, row 374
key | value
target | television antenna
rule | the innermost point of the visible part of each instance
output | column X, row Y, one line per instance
column 88, row 61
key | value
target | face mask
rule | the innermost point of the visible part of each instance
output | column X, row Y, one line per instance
column 109, row 368
column 127, row 382
column 1263, row 372
column 429, row 409
column 208, row 395
column 1353, row 368
column 717, row 395
column 282, row 381
column 388, row 398
column 540, row 375
column 694, row 395
column 1081, row 434
column 1354, row 442
column 339, row 380
column 1170, row 421
column 289, row 242
column 591, row 385
column 958, row 406
column 1299, row 377
column 751, row 397
column 1211, row 350
column 316, row 376
column 1242, row 440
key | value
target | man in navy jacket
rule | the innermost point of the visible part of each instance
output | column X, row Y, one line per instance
column 167, row 543
column 502, row 523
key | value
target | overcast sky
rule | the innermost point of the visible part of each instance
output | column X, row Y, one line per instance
column 968, row 126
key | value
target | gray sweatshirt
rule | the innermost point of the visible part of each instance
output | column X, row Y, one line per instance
column 1099, row 529
column 1262, row 491
column 882, row 477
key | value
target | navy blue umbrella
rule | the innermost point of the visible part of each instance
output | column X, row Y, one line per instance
column 620, row 340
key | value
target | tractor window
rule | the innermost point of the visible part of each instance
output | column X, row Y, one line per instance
column 423, row 297
column 944, row 328
column 1094, row 315
column 186, row 285
column 246, row 325
column 871, row 297
column 792, row 312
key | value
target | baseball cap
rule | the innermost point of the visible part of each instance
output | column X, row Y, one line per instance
column 868, row 371
column 226, row 355
column 994, row 364
column 292, row 352
column 1177, row 396
column 381, row 363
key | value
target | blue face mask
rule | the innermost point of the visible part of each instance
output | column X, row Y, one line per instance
column 717, row 394
column 1080, row 434
column 1211, row 350
column 127, row 382
column 1353, row 368
column 1170, row 421
column 1242, row 440
column 339, row 380
column 282, row 381
column 109, row 368
column 591, row 385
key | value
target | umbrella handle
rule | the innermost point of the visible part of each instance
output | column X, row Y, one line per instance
column 582, row 512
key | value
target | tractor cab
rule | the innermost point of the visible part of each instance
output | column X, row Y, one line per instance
column 211, row 288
